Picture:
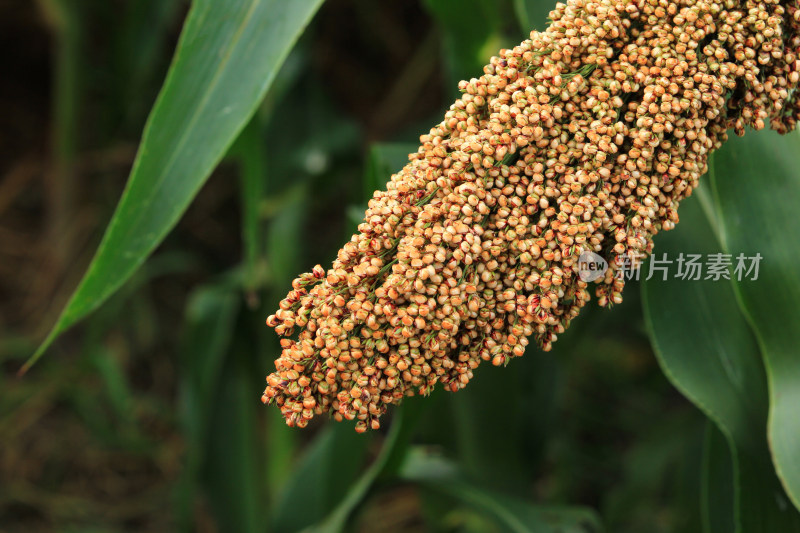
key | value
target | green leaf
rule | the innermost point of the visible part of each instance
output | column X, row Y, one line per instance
column 757, row 190
column 708, row 352
column 533, row 14
column 717, row 499
column 209, row 324
column 390, row 459
column 321, row 479
column 499, row 447
column 234, row 457
column 249, row 151
column 508, row 513
column 326, row 487
column 228, row 55
column 141, row 39
column 384, row 160
column 285, row 232
column 470, row 30
column 210, row 320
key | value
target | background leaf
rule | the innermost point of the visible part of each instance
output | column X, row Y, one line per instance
column 708, row 352
column 717, row 497
column 232, row 470
column 249, row 152
column 469, row 28
column 533, row 14
column 757, row 191
column 393, row 452
column 507, row 513
column 155, row 403
column 321, row 479
column 227, row 57
column 384, row 160
column 210, row 320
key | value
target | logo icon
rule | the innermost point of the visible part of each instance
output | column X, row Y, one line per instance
column 591, row 266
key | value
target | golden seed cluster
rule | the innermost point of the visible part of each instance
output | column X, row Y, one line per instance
column 585, row 137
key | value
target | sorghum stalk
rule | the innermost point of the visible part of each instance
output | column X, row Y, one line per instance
column 585, row 137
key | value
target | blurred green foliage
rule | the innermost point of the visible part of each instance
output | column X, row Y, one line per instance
column 147, row 418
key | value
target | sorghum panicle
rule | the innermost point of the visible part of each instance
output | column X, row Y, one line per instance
column 585, row 137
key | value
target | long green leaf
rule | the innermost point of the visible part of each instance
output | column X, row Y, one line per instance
column 321, row 479
column 389, row 460
column 210, row 321
column 709, row 353
column 228, row 55
column 757, row 188
column 510, row 514
column 249, row 151
column 234, row 455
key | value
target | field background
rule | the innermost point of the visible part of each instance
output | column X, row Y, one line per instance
column 146, row 417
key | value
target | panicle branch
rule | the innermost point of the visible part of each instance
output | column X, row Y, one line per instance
column 585, row 137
